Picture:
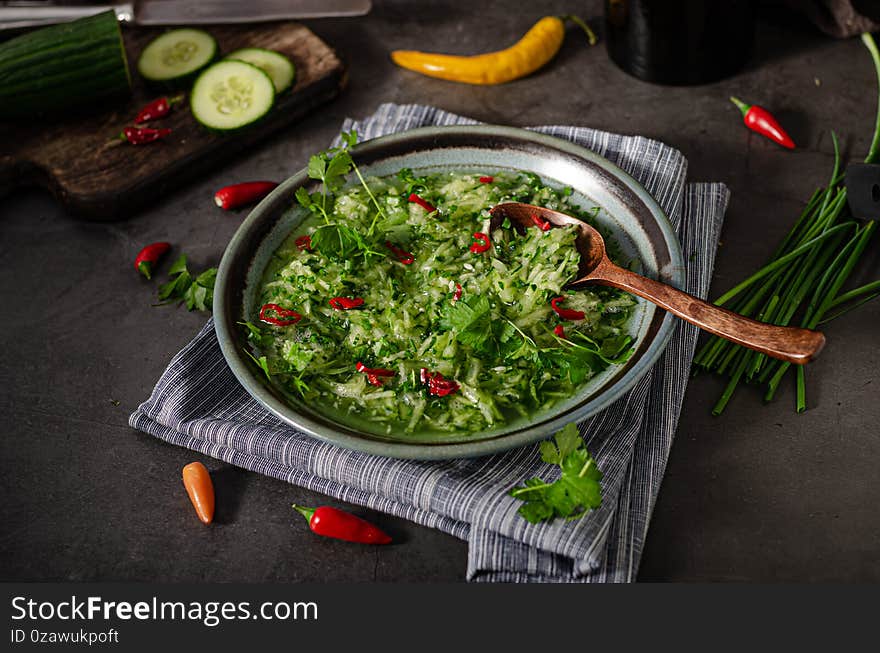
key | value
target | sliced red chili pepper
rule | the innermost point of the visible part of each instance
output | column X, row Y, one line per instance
column 149, row 256
column 304, row 243
column 285, row 316
column 483, row 245
column 341, row 525
column 142, row 135
column 560, row 331
column 157, row 109
column 238, row 195
column 402, row 255
column 415, row 199
column 761, row 121
column 437, row 385
column 487, row 180
column 540, row 222
column 345, row 303
column 457, row 294
column 566, row 313
column 374, row 374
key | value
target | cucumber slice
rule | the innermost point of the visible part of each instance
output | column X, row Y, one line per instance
column 176, row 55
column 276, row 65
column 230, row 95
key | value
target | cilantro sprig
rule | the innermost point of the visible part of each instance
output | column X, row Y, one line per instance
column 577, row 490
column 471, row 320
column 197, row 292
column 330, row 167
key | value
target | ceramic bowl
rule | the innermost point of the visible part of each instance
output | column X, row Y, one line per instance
column 630, row 214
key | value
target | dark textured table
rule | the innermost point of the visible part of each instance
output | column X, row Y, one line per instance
column 759, row 494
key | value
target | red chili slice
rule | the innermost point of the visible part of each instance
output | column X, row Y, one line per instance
column 457, row 294
column 566, row 313
column 437, row 385
column 483, row 245
column 487, row 179
column 415, row 199
column 402, row 255
column 540, row 222
column 345, row 303
column 374, row 374
column 560, row 331
column 286, row 317
column 304, row 243
column 376, row 371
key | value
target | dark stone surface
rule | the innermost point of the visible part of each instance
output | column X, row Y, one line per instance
column 760, row 494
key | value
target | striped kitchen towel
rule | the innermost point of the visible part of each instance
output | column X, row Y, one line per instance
column 198, row 404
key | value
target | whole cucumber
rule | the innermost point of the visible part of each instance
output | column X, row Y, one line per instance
column 63, row 66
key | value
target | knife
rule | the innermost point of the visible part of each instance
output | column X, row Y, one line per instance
column 176, row 12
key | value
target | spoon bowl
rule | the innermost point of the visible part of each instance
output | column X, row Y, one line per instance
column 792, row 344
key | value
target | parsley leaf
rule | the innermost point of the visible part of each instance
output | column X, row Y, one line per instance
column 341, row 242
column 330, row 167
column 198, row 293
column 574, row 493
column 470, row 319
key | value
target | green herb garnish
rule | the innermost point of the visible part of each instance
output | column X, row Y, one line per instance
column 197, row 293
column 574, row 493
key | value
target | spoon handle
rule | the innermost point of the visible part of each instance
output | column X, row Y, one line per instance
column 792, row 344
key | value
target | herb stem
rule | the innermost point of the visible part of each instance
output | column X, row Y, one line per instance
column 874, row 150
column 778, row 263
column 529, row 488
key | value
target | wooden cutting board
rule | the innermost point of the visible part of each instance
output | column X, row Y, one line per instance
column 77, row 159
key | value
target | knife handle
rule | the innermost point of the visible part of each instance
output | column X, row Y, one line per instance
column 13, row 17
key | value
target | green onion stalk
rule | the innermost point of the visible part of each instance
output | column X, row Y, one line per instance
column 803, row 281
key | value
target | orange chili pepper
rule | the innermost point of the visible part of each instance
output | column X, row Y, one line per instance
column 200, row 489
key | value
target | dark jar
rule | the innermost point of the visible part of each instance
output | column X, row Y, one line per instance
column 679, row 42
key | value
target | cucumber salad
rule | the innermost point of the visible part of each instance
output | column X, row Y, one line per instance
column 397, row 307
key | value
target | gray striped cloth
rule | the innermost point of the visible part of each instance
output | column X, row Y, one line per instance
column 198, row 404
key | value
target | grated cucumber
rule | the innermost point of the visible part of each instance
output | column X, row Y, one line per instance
column 496, row 341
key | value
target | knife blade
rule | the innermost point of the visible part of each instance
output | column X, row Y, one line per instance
column 176, row 12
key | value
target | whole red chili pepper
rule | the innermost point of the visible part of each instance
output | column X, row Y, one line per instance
column 157, row 109
column 373, row 373
column 759, row 120
column 238, row 195
column 566, row 313
column 345, row 303
column 415, row 199
column 304, row 243
column 285, row 316
column 149, row 256
column 341, row 525
column 540, row 222
column 560, row 331
column 483, row 245
column 457, row 294
column 402, row 255
column 142, row 135
column 487, row 180
column 437, row 385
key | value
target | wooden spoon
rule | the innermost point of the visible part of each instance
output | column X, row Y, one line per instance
column 791, row 344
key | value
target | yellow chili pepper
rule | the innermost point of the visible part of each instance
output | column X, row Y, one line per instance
column 539, row 45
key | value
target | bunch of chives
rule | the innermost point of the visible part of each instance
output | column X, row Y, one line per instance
column 803, row 281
